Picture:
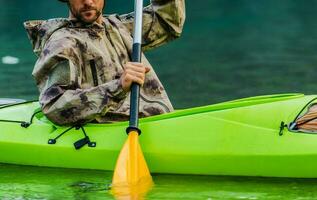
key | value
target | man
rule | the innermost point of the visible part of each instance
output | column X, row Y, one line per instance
column 83, row 71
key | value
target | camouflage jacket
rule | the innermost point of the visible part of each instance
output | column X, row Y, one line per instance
column 79, row 66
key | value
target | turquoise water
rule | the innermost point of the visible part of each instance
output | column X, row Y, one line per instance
column 229, row 49
column 23, row 182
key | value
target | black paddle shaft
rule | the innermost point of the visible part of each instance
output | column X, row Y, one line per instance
column 136, row 57
column 135, row 93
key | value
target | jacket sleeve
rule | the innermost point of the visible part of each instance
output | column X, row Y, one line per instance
column 61, row 98
column 163, row 21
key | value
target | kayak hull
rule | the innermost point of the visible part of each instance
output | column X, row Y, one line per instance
column 238, row 138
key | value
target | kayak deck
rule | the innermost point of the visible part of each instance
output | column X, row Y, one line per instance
column 233, row 138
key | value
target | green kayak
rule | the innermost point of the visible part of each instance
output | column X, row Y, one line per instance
column 246, row 137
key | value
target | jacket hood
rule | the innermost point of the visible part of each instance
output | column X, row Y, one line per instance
column 39, row 31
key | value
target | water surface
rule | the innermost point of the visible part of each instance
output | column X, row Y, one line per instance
column 228, row 50
column 24, row 182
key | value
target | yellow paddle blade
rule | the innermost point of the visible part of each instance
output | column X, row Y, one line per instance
column 131, row 175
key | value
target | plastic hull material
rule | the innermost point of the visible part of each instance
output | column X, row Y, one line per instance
column 239, row 137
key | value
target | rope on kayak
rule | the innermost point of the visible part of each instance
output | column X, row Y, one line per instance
column 82, row 142
column 53, row 141
column 78, row 144
column 304, row 122
column 24, row 124
column 293, row 124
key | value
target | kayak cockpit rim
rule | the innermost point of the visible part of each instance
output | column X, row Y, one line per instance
column 178, row 113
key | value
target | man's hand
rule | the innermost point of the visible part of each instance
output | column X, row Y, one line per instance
column 133, row 73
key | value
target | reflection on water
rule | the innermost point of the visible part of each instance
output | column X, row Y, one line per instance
column 136, row 191
column 23, row 182
column 18, row 182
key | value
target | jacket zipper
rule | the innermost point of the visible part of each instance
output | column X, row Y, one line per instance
column 94, row 72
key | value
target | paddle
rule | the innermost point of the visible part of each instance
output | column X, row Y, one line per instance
column 131, row 169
